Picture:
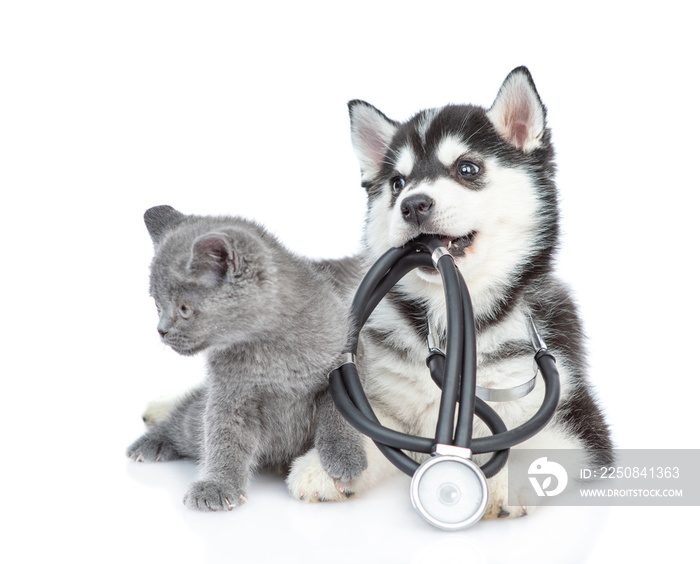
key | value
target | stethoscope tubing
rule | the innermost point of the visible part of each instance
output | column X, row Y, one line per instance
column 454, row 373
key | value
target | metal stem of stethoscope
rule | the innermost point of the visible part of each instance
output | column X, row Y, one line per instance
column 449, row 490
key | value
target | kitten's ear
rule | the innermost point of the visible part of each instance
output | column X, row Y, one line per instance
column 161, row 219
column 371, row 133
column 213, row 258
column 518, row 113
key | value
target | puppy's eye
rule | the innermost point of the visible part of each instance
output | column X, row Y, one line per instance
column 467, row 169
column 397, row 184
column 185, row 311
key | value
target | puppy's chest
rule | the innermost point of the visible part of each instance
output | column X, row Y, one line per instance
column 404, row 389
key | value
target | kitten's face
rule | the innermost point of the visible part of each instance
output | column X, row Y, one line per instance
column 208, row 288
column 184, row 320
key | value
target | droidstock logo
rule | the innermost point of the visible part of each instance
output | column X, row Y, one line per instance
column 545, row 470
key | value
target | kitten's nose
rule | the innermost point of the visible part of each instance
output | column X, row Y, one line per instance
column 164, row 326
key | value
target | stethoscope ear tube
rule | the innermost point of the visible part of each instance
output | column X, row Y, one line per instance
column 550, row 375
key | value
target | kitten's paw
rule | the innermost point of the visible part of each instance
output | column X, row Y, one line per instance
column 213, row 496
column 309, row 481
column 344, row 462
column 152, row 449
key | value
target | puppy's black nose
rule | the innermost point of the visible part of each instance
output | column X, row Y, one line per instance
column 417, row 208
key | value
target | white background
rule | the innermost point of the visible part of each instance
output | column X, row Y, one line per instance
column 108, row 108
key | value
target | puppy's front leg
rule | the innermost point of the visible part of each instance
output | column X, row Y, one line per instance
column 230, row 439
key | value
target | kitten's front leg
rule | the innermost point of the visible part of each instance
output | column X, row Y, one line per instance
column 229, row 446
column 342, row 464
column 340, row 446
column 326, row 472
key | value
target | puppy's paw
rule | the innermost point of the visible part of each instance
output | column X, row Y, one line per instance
column 213, row 496
column 499, row 509
column 498, row 506
column 150, row 448
column 158, row 410
column 309, row 481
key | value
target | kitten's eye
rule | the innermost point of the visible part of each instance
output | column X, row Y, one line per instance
column 185, row 311
column 467, row 169
column 397, row 184
column 157, row 308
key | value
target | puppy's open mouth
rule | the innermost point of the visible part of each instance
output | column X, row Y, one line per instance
column 457, row 247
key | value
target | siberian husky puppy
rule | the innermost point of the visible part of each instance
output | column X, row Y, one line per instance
column 482, row 180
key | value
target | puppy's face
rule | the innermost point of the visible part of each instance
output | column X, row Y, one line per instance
column 474, row 178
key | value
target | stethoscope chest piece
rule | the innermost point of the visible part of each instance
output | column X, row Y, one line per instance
column 449, row 492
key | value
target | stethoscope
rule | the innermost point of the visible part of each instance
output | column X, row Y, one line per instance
column 449, row 490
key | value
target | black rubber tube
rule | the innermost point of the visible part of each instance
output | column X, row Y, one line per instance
column 366, row 289
column 550, row 375
column 436, row 363
column 444, row 432
column 403, row 266
column 367, row 423
column 456, row 374
column 353, row 405
column 467, row 394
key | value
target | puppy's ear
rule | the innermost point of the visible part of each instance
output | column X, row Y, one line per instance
column 161, row 219
column 213, row 258
column 518, row 113
column 372, row 133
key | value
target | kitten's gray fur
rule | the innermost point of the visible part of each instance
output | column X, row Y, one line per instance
column 272, row 326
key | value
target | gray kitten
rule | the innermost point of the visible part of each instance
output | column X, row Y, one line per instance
column 272, row 326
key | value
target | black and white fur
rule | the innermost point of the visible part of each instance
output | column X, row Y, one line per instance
column 483, row 180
